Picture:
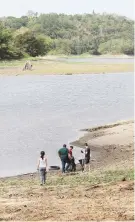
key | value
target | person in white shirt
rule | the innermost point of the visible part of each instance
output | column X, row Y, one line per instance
column 42, row 167
column 82, row 160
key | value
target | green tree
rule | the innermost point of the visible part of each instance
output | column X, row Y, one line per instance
column 70, row 34
column 117, row 46
column 62, row 46
column 32, row 45
column 128, row 48
column 7, row 47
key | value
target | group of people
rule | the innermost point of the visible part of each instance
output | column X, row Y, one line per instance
column 67, row 161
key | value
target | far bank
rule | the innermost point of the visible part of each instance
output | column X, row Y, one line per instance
column 52, row 65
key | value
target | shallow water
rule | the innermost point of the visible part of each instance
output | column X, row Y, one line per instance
column 43, row 112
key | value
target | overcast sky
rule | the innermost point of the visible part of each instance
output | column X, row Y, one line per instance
column 21, row 7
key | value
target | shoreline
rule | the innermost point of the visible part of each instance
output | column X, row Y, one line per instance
column 106, row 140
column 108, row 187
column 74, row 70
column 54, row 65
column 89, row 135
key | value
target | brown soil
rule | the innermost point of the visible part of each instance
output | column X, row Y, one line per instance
column 110, row 202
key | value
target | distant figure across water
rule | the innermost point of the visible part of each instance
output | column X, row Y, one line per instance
column 28, row 66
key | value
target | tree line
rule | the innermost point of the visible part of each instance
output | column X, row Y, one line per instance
column 37, row 35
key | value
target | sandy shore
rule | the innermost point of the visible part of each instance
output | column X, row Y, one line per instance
column 111, row 145
column 104, row 193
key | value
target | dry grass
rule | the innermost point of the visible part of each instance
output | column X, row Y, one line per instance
column 95, row 196
column 55, row 67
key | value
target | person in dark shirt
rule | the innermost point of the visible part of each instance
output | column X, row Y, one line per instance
column 63, row 154
column 87, row 154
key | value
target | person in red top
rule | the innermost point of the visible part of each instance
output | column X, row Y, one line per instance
column 71, row 159
column 70, row 152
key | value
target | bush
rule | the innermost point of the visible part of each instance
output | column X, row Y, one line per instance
column 31, row 44
column 117, row 46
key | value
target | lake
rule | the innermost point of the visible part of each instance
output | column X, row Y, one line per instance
column 43, row 112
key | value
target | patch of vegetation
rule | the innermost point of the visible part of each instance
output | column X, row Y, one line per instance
column 91, row 34
column 92, row 178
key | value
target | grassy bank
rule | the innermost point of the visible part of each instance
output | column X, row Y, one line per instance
column 50, row 65
column 69, row 197
column 71, row 179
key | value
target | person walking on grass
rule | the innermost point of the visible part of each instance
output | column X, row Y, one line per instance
column 63, row 154
column 42, row 167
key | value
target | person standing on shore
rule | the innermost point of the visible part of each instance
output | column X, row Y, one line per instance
column 71, row 159
column 63, row 154
column 70, row 152
column 42, row 167
column 87, row 155
column 82, row 160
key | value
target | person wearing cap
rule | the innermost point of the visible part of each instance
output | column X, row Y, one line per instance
column 63, row 154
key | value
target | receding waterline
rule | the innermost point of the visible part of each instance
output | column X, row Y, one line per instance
column 43, row 112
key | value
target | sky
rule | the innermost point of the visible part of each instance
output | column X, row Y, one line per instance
column 21, row 7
